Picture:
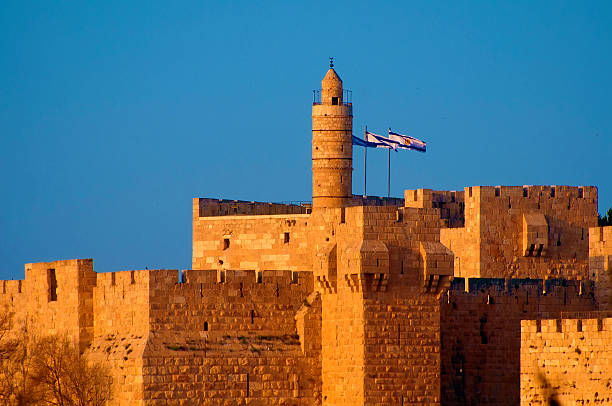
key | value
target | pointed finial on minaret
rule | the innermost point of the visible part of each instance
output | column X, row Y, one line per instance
column 331, row 61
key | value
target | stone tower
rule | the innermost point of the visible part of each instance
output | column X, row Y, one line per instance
column 332, row 149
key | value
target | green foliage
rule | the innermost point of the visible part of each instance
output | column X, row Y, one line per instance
column 606, row 219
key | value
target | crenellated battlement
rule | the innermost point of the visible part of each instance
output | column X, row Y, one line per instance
column 248, row 284
column 124, row 278
column 542, row 192
column 427, row 198
column 438, row 297
column 205, row 207
column 451, row 204
column 11, row 287
column 511, row 286
column 586, row 322
column 251, row 279
column 567, row 359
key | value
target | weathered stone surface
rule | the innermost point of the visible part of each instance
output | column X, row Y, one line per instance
column 443, row 297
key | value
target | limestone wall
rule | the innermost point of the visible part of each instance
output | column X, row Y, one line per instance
column 13, row 300
column 380, row 337
column 450, row 203
column 481, row 333
column 567, row 361
column 343, row 358
column 122, row 302
column 250, row 242
column 229, row 336
column 220, row 335
column 600, row 264
column 239, row 302
column 492, row 243
column 402, row 349
column 55, row 298
column 223, row 207
column 358, row 200
column 121, row 330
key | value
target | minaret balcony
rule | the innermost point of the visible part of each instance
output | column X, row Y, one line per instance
column 346, row 100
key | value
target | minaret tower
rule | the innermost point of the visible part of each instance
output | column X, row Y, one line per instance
column 332, row 148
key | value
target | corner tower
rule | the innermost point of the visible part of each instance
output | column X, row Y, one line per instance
column 332, row 148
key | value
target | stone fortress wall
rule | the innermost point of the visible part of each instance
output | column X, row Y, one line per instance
column 600, row 263
column 567, row 361
column 233, row 333
column 481, row 332
column 524, row 232
column 225, row 328
column 437, row 298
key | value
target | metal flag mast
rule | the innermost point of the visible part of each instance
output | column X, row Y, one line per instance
column 365, row 165
column 389, row 172
column 389, row 175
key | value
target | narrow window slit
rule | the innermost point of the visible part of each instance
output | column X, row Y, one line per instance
column 52, row 283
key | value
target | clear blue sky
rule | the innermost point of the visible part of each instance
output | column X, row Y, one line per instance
column 114, row 115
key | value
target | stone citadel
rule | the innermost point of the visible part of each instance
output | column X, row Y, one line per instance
column 484, row 296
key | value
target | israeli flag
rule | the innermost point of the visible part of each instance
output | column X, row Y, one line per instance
column 407, row 142
column 362, row 143
column 383, row 142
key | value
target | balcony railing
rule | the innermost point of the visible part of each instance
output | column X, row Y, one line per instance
column 347, row 97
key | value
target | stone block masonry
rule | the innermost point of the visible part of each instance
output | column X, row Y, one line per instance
column 250, row 242
column 600, row 264
column 489, row 295
column 500, row 238
column 481, row 333
column 567, row 361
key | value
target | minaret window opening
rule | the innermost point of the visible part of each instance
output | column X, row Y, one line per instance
column 335, row 101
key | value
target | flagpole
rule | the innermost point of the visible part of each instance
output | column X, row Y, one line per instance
column 389, row 172
column 365, row 165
